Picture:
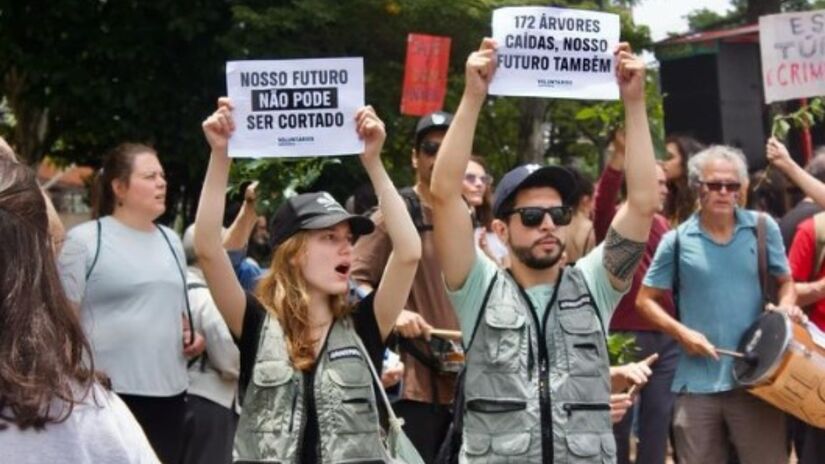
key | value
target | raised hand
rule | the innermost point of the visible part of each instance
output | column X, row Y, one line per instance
column 479, row 69
column 630, row 73
column 218, row 127
column 371, row 130
column 778, row 155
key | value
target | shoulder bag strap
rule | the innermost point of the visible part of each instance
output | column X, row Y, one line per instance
column 183, row 279
column 97, row 251
column 677, row 282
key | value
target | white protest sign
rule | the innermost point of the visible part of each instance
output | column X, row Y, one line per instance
column 793, row 55
column 289, row 108
column 555, row 52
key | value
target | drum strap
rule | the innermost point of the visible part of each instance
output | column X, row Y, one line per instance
column 767, row 285
column 676, row 282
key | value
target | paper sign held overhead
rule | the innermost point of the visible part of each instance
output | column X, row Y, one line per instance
column 294, row 108
column 425, row 74
column 792, row 46
column 555, row 53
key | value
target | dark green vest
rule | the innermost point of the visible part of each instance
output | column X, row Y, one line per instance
column 271, row 427
column 534, row 395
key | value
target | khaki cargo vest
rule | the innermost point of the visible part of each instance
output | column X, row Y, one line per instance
column 271, row 427
column 538, row 391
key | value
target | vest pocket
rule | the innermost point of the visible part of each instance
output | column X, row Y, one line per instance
column 587, row 417
column 504, row 337
column 273, row 392
column 591, row 448
column 583, row 343
column 506, row 444
column 355, row 410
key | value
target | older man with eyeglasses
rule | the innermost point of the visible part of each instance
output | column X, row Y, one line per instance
column 711, row 264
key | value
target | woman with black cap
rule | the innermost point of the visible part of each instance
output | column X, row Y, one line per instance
column 309, row 394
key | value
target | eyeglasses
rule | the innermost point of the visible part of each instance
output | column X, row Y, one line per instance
column 485, row 179
column 429, row 148
column 533, row 216
column 731, row 187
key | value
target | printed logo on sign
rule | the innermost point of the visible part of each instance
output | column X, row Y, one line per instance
column 577, row 303
column 293, row 141
column 554, row 83
column 346, row 352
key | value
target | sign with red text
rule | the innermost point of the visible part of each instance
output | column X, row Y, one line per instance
column 793, row 55
column 555, row 53
column 425, row 74
column 293, row 108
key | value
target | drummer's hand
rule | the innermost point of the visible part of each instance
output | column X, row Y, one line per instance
column 411, row 325
column 794, row 312
column 696, row 344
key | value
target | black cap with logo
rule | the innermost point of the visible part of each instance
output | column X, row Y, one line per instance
column 310, row 211
column 439, row 120
column 533, row 175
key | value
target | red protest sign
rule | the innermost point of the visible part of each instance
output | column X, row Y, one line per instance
column 425, row 74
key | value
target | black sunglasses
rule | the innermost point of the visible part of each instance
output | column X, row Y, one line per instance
column 429, row 148
column 731, row 187
column 533, row 216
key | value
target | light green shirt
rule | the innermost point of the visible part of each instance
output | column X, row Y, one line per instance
column 467, row 299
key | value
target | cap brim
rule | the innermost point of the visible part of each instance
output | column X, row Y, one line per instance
column 555, row 177
column 359, row 225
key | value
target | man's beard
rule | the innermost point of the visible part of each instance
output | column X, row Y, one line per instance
column 526, row 256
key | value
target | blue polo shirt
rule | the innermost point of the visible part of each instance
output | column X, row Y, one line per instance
column 720, row 294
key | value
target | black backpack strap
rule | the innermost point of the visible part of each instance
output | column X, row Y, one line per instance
column 414, row 207
column 183, row 279
column 97, row 251
column 451, row 446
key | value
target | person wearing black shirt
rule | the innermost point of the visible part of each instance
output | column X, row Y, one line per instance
column 303, row 292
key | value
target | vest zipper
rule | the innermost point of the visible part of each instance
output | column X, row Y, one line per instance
column 294, row 404
column 545, row 404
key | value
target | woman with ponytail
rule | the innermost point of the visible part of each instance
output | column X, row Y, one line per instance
column 308, row 391
column 125, row 274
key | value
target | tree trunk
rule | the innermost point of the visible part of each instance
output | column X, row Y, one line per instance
column 32, row 126
column 531, row 145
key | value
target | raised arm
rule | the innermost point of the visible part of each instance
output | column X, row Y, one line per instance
column 238, row 233
column 778, row 156
column 452, row 225
column 394, row 288
column 625, row 241
column 223, row 284
column 606, row 194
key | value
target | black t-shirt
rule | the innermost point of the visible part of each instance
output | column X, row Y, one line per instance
column 787, row 225
column 366, row 326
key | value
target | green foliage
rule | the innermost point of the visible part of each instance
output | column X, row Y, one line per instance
column 806, row 116
column 622, row 349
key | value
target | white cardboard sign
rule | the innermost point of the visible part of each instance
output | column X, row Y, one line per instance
column 555, row 53
column 793, row 55
column 294, row 108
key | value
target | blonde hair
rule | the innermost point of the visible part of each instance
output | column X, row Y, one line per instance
column 283, row 291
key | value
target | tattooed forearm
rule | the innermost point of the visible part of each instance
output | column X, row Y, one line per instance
column 621, row 255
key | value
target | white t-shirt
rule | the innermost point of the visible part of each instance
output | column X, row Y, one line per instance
column 131, row 305
column 99, row 430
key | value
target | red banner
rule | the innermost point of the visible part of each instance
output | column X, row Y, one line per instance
column 425, row 74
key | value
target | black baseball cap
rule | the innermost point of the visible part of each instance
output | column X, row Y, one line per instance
column 310, row 211
column 439, row 120
column 533, row 175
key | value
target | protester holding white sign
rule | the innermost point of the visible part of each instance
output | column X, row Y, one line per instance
column 290, row 108
column 555, row 52
column 793, row 55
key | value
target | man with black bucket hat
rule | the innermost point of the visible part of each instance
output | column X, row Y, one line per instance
column 537, row 383
column 428, row 383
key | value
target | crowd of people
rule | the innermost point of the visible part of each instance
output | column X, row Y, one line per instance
column 483, row 311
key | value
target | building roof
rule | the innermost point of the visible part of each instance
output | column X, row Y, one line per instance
column 51, row 174
column 704, row 43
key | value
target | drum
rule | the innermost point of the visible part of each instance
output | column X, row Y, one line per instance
column 784, row 366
